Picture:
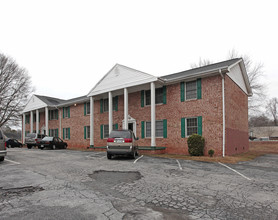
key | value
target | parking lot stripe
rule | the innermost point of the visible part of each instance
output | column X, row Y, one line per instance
column 234, row 170
column 179, row 164
column 12, row 161
column 138, row 159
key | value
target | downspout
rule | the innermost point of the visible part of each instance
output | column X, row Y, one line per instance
column 223, row 107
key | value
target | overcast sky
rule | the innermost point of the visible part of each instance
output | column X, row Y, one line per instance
column 68, row 46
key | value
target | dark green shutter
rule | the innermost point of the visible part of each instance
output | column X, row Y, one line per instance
column 199, row 89
column 182, row 91
column 164, row 128
column 164, row 95
column 101, row 106
column 200, row 125
column 85, row 108
column 101, row 131
column 57, row 132
column 142, row 129
column 116, row 103
column 183, row 127
column 68, row 112
column 116, row 126
column 63, row 133
column 69, row 133
column 63, row 112
column 142, row 98
column 85, row 132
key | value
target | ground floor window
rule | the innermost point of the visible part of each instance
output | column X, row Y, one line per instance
column 192, row 125
column 104, row 130
column 160, row 129
column 66, row 133
column 54, row 132
column 86, row 132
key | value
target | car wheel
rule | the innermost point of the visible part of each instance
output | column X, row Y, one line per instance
column 65, row 146
column 53, row 147
column 2, row 158
column 109, row 156
column 41, row 148
column 29, row 146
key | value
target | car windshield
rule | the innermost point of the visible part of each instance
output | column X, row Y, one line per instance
column 47, row 139
column 120, row 134
column 31, row 135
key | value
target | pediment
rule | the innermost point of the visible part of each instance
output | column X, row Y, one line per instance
column 33, row 104
column 120, row 77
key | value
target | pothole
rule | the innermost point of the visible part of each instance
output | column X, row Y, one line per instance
column 115, row 177
column 20, row 191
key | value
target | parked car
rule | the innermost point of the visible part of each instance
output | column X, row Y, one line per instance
column 3, row 149
column 122, row 142
column 52, row 143
column 33, row 139
column 11, row 143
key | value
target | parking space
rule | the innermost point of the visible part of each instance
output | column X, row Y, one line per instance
column 169, row 188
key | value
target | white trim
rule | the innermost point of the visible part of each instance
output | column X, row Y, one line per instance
column 125, row 126
column 31, row 122
column 46, row 120
column 153, row 144
column 23, row 128
column 91, row 121
column 223, row 113
column 37, row 121
column 110, row 110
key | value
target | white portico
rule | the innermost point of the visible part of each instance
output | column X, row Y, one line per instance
column 122, row 80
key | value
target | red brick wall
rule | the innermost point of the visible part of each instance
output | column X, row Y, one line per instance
column 209, row 107
column 236, row 114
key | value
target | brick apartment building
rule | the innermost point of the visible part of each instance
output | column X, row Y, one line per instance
column 162, row 111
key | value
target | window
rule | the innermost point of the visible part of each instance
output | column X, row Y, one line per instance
column 86, row 132
column 191, row 90
column 87, row 109
column 104, row 133
column 53, row 132
column 191, row 126
column 158, row 96
column 53, row 114
column 27, row 119
column 66, row 133
column 114, row 104
column 158, row 128
column 66, row 112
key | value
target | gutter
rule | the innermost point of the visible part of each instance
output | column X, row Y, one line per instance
column 223, row 108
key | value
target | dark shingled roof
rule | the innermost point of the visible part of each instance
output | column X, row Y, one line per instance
column 50, row 101
column 203, row 69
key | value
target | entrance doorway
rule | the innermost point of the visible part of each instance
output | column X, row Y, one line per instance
column 130, row 126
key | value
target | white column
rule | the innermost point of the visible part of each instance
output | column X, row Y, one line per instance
column 46, row 120
column 31, row 122
column 153, row 144
column 37, row 121
column 110, row 107
column 60, row 123
column 125, row 108
column 23, row 128
column 91, row 121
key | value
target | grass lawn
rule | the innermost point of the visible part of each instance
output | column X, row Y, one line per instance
column 256, row 149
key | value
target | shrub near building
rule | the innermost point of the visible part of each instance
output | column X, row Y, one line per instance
column 196, row 144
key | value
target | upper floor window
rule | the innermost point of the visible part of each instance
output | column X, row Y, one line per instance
column 66, row 112
column 53, row 114
column 191, row 90
column 158, row 96
column 104, row 104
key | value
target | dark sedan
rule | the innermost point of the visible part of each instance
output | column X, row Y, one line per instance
column 53, row 143
column 11, row 143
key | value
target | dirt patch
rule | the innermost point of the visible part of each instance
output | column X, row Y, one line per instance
column 115, row 177
column 16, row 192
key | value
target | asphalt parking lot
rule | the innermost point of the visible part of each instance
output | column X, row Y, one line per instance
column 65, row 184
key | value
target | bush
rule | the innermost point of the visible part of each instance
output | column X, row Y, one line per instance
column 211, row 152
column 196, row 144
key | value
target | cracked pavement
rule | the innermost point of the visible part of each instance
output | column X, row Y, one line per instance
column 65, row 184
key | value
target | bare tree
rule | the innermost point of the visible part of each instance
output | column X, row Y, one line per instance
column 255, row 74
column 202, row 62
column 15, row 88
column 272, row 108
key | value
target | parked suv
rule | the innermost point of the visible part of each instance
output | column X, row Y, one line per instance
column 122, row 142
column 3, row 151
column 33, row 139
